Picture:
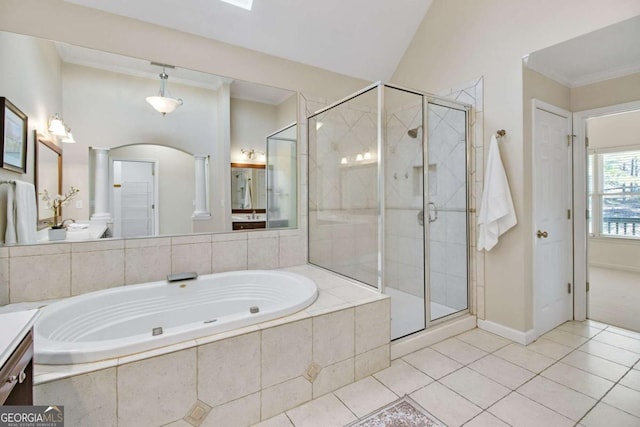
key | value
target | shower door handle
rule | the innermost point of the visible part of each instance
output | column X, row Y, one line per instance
column 435, row 212
column 421, row 217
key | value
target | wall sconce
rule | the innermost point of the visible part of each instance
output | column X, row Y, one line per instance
column 68, row 139
column 58, row 128
column 251, row 154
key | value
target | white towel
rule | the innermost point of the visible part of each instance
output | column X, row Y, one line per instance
column 21, row 214
column 497, row 214
column 247, row 193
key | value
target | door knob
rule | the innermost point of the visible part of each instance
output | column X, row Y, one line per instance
column 542, row 234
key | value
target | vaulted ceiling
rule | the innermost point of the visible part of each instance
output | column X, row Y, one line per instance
column 359, row 38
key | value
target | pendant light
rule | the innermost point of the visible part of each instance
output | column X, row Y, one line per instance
column 162, row 102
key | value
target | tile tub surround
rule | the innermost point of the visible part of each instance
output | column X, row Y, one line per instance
column 250, row 374
column 80, row 267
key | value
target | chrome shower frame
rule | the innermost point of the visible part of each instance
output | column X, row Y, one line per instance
column 427, row 99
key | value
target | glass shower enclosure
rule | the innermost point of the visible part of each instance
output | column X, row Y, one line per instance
column 388, row 199
column 282, row 201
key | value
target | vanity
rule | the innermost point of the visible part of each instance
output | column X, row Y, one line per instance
column 16, row 357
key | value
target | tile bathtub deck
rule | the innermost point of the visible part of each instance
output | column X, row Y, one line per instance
column 581, row 373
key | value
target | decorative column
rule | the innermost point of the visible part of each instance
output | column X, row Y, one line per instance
column 101, row 185
column 201, row 211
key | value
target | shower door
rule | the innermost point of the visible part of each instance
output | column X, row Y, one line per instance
column 425, row 210
column 282, row 175
column 446, row 210
column 404, row 234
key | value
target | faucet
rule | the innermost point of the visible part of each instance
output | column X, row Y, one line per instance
column 65, row 220
column 253, row 215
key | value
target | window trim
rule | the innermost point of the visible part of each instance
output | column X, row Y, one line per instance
column 597, row 194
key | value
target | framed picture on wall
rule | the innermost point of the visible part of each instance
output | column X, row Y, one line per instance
column 13, row 128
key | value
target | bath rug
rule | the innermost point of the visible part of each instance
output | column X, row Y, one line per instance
column 404, row 412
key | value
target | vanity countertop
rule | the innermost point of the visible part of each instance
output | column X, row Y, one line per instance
column 14, row 326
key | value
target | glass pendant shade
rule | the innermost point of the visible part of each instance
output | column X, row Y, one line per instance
column 162, row 103
column 69, row 138
column 56, row 127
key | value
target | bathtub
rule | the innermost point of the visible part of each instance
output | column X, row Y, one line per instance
column 120, row 321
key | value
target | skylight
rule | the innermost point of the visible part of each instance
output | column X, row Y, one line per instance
column 245, row 4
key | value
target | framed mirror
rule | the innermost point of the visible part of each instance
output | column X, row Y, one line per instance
column 48, row 174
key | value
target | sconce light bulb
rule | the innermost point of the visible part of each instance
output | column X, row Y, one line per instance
column 343, row 161
column 359, row 157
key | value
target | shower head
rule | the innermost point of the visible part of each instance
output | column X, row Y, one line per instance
column 413, row 133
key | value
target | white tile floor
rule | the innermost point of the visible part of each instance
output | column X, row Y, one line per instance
column 581, row 373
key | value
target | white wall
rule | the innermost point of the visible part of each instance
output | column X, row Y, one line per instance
column 461, row 40
column 251, row 122
column 287, row 112
column 175, row 177
column 107, row 109
column 31, row 80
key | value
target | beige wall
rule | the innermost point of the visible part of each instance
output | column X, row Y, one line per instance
column 608, row 92
column 461, row 40
column 251, row 122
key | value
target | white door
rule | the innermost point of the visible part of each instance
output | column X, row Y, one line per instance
column 133, row 198
column 553, row 264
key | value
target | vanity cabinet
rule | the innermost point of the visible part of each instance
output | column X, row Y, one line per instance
column 16, row 375
column 249, row 225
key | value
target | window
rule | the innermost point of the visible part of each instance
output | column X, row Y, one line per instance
column 614, row 193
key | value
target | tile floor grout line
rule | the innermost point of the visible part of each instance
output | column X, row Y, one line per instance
column 538, row 374
column 344, row 403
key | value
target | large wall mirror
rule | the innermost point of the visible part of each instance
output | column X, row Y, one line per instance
column 101, row 98
column 48, row 174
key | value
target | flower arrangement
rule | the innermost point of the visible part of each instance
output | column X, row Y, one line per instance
column 56, row 203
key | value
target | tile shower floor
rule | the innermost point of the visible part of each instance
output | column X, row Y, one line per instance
column 581, row 373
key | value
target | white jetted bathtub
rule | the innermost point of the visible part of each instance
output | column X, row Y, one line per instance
column 130, row 319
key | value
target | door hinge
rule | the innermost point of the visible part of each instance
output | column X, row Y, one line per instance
column 153, row 206
column 586, row 141
column 568, row 213
column 587, row 286
column 569, row 287
column 569, row 140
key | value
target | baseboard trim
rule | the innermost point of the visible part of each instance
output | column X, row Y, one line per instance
column 615, row 267
column 415, row 342
column 520, row 337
